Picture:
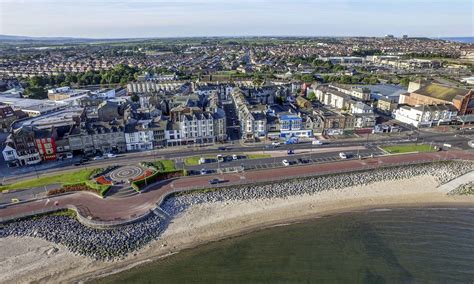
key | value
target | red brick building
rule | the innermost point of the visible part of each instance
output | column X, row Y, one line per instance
column 45, row 141
column 435, row 94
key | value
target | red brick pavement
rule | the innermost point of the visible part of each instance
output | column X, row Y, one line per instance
column 122, row 209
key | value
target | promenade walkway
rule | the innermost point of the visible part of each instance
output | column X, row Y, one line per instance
column 117, row 210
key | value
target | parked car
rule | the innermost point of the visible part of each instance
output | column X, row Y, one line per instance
column 275, row 143
column 220, row 158
column 285, row 163
column 68, row 156
column 342, row 155
column 222, row 148
column 290, row 151
column 96, row 158
column 317, row 142
column 203, row 171
column 303, row 161
column 215, row 181
column 111, row 155
column 235, row 157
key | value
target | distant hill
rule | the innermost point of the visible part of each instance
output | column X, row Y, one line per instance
column 14, row 39
column 21, row 38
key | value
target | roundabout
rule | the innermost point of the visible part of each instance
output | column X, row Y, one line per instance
column 126, row 173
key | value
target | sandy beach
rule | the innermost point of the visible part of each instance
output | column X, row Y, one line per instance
column 29, row 259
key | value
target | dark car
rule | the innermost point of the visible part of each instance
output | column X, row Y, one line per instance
column 290, row 151
column 215, row 181
column 222, row 148
column 78, row 164
column 303, row 161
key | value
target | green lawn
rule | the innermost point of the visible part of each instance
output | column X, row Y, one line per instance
column 68, row 177
column 194, row 161
column 258, row 156
column 165, row 165
column 397, row 149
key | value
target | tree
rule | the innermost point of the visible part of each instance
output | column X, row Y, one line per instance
column 311, row 96
column 134, row 98
column 38, row 93
column 307, row 78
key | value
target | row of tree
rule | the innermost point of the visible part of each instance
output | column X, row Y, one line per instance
column 120, row 74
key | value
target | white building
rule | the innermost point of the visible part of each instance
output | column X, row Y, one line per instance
column 138, row 136
column 197, row 128
column 426, row 116
column 104, row 93
column 9, row 154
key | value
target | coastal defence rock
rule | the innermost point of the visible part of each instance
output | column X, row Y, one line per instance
column 118, row 242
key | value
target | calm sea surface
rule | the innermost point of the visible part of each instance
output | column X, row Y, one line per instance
column 382, row 246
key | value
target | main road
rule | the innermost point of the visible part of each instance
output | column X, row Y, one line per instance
column 116, row 210
column 8, row 175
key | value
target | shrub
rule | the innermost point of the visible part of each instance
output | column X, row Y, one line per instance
column 82, row 186
column 157, row 176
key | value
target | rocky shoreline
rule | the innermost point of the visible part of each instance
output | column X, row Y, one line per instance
column 115, row 243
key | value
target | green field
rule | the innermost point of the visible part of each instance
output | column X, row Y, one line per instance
column 408, row 148
column 65, row 178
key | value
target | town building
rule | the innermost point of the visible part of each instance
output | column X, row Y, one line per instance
column 426, row 115
column 434, row 94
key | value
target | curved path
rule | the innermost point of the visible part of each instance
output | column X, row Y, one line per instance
column 125, row 209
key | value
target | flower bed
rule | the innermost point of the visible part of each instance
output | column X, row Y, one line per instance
column 146, row 174
column 103, row 180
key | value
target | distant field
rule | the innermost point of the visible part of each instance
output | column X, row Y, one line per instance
column 398, row 149
column 65, row 178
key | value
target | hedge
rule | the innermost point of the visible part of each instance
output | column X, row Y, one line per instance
column 158, row 176
column 82, row 186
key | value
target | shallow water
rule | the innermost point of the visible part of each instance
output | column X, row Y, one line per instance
column 379, row 246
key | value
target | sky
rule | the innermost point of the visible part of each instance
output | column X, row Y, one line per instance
column 179, row 18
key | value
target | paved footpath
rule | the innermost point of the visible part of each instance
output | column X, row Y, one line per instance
column 124, row 209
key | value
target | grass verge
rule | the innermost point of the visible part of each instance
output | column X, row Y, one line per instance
column 65, row 178
column 408, row 148
column 165, row 165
